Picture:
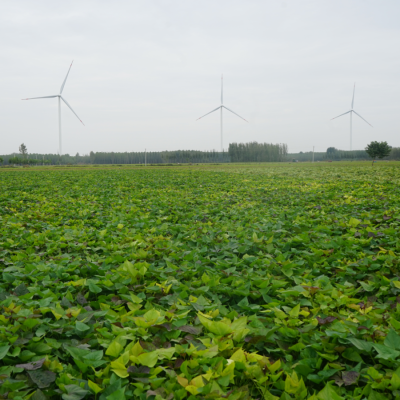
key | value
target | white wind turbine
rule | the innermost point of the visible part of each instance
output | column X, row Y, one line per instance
column 351, row 117
column 221, row 107
column 59, row 107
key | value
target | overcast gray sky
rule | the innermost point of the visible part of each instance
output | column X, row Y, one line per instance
column 144, row 71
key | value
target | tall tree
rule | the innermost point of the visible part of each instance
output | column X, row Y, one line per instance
column 378, row 150
column 23, row 150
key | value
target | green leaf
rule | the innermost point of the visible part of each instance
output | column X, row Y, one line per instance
column 361, row 344
column 244, row 302
column 74, row 392
column 3, row 351
column 392, row 340
column 148, row 359
column 31, row 323
column 94, row 288
column 39, row 395
column 117, row 395
column 352, row 354
column 114, row 349
column 81, row 327
column 387, row 353
column 328, row 393
column 42, row 379
column 112, row 388
column 395, row 380
column 376, row 396
column 21, row 289
column 354, row 222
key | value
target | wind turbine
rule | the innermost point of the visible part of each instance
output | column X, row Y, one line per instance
column 59, row 107
column 220, row 108
column 351, row 117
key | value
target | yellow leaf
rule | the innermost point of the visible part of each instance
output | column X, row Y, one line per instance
column 229, row 370
column 275, row 366
column 79, row 282
column 148, row 359
column 218, row 328
column 123, row 373
column 239, row 323
column 96, row 388
column 75, row 312
column 56, row 314
column 192, row 389
column 198, row 381
column 238, row 356
column 214, row 313
column 114, row 349
column 294, row 312
column 397, row 284
column 353, row 306
column 136, row 299
column 182, row 381
column 136, row 350
column 240, row 334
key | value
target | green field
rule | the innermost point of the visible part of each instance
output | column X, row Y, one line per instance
column 263, row 281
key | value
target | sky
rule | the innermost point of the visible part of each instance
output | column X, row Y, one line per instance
column 144, row 71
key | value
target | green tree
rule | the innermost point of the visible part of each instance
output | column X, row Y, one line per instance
column 23, row 150
column 330, row 151
column 378, row 150
column 1, row 160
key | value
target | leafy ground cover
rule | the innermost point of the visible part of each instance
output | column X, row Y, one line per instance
column 219, row 282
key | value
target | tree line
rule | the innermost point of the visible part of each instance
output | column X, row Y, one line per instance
column 159, row 157
column 257, row 152
column 333, row 154
column 237, row 152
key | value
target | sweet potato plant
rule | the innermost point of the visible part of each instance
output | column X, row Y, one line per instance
column 248, row 282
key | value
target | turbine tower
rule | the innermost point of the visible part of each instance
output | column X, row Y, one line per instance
column 59, row 108
column 220, row 108
column 351, row 117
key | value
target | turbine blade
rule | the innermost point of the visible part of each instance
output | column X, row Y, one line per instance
column 65, row 101
column 341, row 115
column 362, row 118
column 44, row 97
column 65, row 80
column 222, row 89
column 352, row 103
column 209, row 113
column 235, row 113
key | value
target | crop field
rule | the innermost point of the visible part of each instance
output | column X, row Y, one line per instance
column 269, row 281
